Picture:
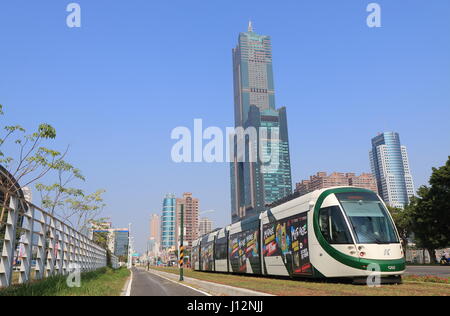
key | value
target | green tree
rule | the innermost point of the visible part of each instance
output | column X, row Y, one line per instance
column 70, row 203
column 403, row 224
column 82, row 210
column 54, row 196
column 430, row 212
column 31, row 160
column 102, row 237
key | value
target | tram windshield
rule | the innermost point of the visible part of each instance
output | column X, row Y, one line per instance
column 368, row 217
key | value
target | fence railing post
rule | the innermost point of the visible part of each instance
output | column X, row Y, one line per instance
column 57, row 247
column 9, row 244
column 41, row 257
column 26, row 245
column 60, row 248
column 50, row 268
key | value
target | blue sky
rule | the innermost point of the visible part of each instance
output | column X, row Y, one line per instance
column 115, row 88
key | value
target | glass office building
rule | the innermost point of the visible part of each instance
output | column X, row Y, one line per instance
column 121, row 241
column 390, row 165
column 168, row 222
column 257, row 184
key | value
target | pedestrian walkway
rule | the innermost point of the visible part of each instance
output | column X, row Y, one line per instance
column 211, row 287
column 149, row 284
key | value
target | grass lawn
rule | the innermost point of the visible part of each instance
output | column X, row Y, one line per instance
column 103, row 282
column 285, row 287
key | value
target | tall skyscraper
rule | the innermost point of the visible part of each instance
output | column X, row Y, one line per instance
column 205, row 226
column 390, row 165
column 168, row 222
column 155, row 228
column 253, row 185
column 191, row 210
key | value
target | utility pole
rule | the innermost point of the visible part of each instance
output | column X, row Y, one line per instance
column 148, row 254
column 130, row 258
column 182, row 244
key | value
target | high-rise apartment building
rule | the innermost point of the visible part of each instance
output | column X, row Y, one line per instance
column 191, row 211
column 390, row 165
column 365, row 180
column 258, row 182
column 169, row 222
column 322, row 181
column 205, row 226
column 155, row 228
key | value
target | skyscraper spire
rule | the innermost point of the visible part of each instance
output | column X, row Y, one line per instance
column 257, row 184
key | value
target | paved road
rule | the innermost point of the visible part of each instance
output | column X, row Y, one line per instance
column 443, row 272
column 149, row 284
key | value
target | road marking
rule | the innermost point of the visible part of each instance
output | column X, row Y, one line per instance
column 179, row 283
column 129, row 284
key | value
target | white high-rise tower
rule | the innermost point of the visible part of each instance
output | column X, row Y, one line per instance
column 390, row 165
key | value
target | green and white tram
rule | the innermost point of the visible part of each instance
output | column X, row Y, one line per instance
column 341, row 232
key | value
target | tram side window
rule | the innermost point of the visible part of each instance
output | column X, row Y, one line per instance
column 221, row 249
column 333, row 226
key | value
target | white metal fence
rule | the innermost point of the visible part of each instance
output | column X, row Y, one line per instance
column 115, row 262
column 36, row 245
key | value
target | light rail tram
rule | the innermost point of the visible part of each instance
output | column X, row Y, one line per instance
column 340, row 232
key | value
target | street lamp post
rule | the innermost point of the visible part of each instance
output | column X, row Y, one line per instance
column 148, row 255
column 182, row 244
column 129, row 248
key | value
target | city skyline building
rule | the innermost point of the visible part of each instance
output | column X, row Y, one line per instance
column 390, row 165
column 322, row 180
column 117, row 239
column 153, row 248
column 205, row 226
column 121, row 242
column 155, row 227
column 255, row 184
column 191, row 218
column 168, row 222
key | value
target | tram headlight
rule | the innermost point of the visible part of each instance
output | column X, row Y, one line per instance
column 362, row 254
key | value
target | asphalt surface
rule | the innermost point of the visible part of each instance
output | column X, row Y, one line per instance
column 148, row 284
column 443, row 272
